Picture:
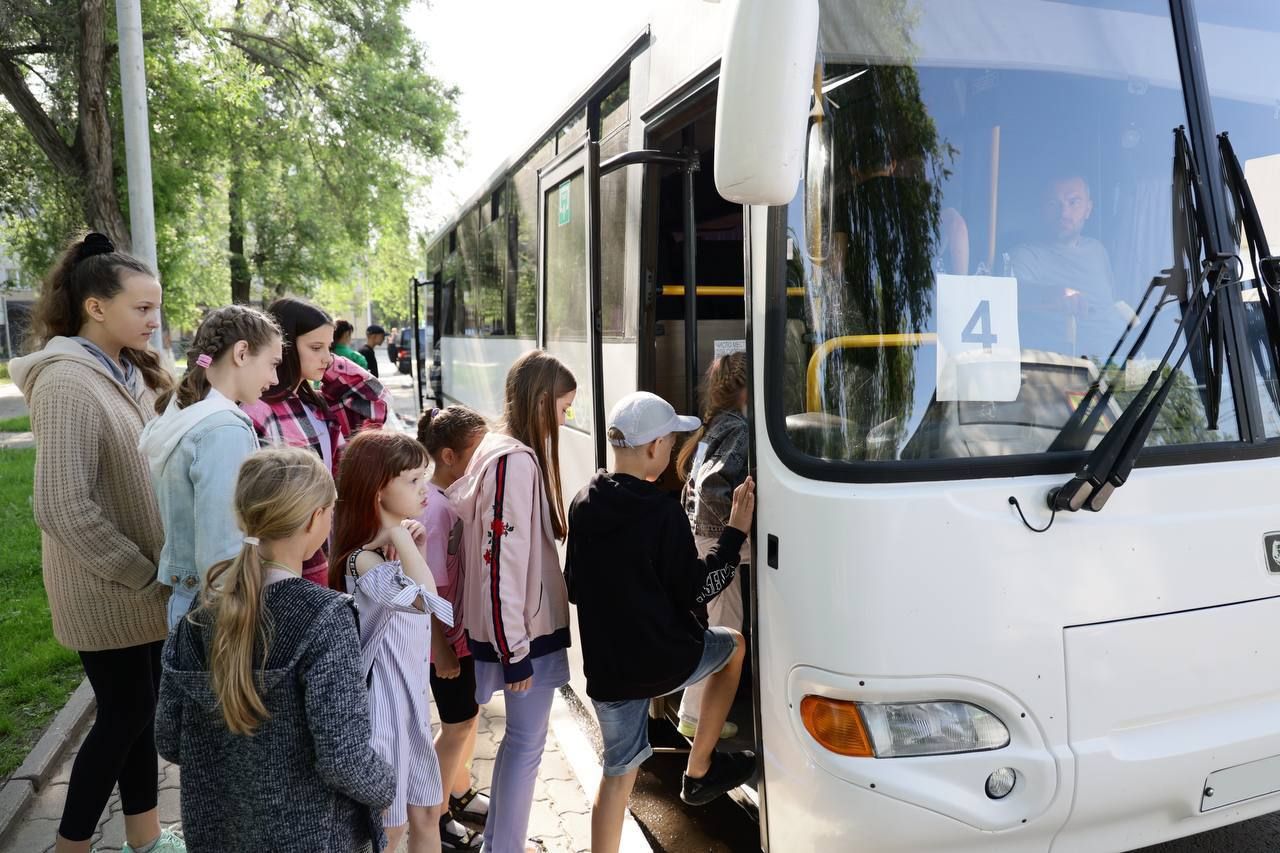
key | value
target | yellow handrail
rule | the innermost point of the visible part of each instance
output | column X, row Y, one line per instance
column 719, row 290
column 812, row 395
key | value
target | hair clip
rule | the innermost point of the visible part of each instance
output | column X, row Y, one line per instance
column 252, row 540
column 204, row 360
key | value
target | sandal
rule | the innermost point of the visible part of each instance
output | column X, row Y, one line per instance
column 455, row 836
column 473, row 805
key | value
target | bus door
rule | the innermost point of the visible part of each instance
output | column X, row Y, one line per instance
column 565, row 328
column 693, row 314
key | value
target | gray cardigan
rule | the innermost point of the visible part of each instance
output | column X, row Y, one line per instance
column 307, row 779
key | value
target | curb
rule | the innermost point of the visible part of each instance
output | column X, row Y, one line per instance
column 17, row 440
column 43, row 760
column 581, row 755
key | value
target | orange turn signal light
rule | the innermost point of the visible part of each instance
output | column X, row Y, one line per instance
column 837, row 725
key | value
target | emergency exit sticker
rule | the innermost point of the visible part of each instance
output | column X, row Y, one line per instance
column 565, row 205
column 979, row 354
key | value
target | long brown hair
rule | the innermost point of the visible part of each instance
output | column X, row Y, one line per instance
column 372, row 459
column 277, row 493
column 534, row 383
column 90, row 266
column 220, row 331
column 296, row 317
column 721, row 391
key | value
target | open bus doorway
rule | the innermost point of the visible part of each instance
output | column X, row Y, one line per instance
column 720, row 319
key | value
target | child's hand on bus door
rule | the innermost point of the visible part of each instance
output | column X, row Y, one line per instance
column 744, row 506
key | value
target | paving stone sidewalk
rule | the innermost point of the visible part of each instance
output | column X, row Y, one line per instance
column 561, row 814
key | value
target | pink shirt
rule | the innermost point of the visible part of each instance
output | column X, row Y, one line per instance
column 443, row 552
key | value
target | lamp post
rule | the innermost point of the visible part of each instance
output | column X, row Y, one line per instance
column 137, row 137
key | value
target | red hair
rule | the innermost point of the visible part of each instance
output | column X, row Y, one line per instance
column 372, row 459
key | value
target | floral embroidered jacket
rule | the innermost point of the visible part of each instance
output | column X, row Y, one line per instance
column 515, row 606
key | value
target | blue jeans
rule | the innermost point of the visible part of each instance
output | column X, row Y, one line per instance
column 624, row 725
column 515, row 769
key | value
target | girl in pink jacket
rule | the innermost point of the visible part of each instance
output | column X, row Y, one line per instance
column 516, row 608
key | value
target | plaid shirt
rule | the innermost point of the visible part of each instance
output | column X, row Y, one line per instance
column 352, row 399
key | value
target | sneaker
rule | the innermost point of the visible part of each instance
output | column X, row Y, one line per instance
column 471, row 806
column 455, row 836
column 728, row 770
column 168, row 842
column 689, row 729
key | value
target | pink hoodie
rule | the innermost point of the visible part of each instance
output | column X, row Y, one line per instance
column 515, row 603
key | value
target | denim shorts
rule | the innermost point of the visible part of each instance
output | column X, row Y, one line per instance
column 624, row 725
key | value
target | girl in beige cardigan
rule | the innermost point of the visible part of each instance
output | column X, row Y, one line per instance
column 91, row 388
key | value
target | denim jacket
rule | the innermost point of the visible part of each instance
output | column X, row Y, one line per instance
column 719, row 467
column 195, row 456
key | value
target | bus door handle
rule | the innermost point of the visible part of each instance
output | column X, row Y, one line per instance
column 772, row 552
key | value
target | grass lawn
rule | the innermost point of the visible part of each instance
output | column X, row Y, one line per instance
column 36, row 674
column 22, row 423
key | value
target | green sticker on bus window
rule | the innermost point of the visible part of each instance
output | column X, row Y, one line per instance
column 565, row 206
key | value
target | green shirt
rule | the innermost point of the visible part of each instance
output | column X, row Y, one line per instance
column 347, row 352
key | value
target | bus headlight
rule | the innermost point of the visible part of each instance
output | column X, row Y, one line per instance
column 932, row 728
column 900, row 729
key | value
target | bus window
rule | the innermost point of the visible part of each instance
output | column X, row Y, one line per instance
column 1243, row 93
column 566, row 278
column 989, row 202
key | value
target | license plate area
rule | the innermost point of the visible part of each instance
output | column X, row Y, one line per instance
column 1239, row 783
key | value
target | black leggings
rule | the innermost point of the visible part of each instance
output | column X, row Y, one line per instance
column 121, row 746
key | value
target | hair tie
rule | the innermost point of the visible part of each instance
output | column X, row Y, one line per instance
column 252, row 540
column 432, row 415
column 204, row 360
column 94, row 244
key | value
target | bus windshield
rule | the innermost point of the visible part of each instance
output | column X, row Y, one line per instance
column 986, row 232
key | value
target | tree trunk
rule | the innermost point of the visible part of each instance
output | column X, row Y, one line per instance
column 93, row 139
column 240, row 278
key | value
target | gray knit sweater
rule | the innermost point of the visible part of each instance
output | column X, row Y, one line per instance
column 307, row 779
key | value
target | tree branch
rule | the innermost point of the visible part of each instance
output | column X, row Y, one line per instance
column 26, row 50
column 42, row 128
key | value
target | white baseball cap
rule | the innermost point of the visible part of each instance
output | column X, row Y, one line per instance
column 643, row 417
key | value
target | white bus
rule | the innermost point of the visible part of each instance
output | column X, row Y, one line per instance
column 956, row 239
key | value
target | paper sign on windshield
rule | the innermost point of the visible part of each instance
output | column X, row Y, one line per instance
column 979, row 354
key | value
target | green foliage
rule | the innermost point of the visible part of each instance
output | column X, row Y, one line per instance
column 22, row 423
column 36, row 674
column 318, row 116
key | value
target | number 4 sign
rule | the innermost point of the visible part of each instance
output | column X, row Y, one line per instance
column 979, row 355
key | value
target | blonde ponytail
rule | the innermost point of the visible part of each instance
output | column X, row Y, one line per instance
column 278, row 492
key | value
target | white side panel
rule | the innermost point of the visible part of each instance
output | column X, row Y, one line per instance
column 474, row 370
column 1158, row 705
column 688, row 35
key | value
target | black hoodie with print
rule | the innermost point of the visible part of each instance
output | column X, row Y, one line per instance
column 633, row 571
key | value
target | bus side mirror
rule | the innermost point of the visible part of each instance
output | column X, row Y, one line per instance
column 762, row 108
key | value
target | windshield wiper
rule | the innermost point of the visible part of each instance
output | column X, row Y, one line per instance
column 1267, row 266
column 1110, row 463
column 1084, row 418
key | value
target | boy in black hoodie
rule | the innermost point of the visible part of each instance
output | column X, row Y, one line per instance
column 634, row 573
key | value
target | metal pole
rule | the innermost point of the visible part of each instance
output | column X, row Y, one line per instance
column 416, row 365
column 690, row 287
column 137, row 137
column 594, row 279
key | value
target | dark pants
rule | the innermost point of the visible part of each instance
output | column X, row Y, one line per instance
column 121, row 746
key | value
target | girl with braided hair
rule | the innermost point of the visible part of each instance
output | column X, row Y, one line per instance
column 195, row 448
column 91, row 387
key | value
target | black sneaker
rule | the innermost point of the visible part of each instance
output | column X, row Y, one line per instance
column 728, row 770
